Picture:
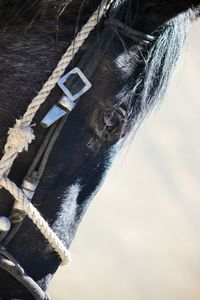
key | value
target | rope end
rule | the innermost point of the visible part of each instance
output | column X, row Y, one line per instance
column 19, row 137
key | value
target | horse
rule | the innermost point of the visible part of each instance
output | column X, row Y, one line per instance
column 142, row 41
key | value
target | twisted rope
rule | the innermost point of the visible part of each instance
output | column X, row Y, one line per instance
column 37, row 219
column 21, row 135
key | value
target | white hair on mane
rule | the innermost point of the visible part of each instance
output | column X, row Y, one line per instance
column 156, row 66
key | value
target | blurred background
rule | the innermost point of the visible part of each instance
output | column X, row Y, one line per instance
column 140, row 239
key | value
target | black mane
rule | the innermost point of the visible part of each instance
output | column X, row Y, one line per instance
column 147, row 85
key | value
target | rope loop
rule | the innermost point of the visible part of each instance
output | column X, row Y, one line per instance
column 37, row 219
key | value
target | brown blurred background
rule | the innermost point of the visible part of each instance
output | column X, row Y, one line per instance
column 140, row 239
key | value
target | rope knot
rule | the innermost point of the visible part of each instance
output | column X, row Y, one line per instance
column 19, row 137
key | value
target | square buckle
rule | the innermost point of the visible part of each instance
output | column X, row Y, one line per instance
column 62, row 80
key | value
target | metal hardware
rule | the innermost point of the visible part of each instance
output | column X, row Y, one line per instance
column 62, row 81
column 4, row 224
column 28, row 187
column 54, row 114
column 67, row 101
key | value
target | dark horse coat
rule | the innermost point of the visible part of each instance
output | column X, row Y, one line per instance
column 128, row 82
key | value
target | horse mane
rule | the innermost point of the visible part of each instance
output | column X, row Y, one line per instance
column 159, row 65
column 147, row 87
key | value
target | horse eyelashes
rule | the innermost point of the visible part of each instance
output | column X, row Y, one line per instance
column 114, row 120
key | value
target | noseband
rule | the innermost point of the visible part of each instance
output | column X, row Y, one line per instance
column 55, row 120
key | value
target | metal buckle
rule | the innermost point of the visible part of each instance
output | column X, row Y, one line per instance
column 62, row 80
column 67, row 101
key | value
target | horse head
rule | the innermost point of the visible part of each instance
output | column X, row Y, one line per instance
column 129, row 58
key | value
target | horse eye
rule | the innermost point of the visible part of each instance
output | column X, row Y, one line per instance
column 113, row 119
column 111, row 129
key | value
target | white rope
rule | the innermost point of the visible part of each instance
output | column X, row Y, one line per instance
column 21, row 135
column 37, row 219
